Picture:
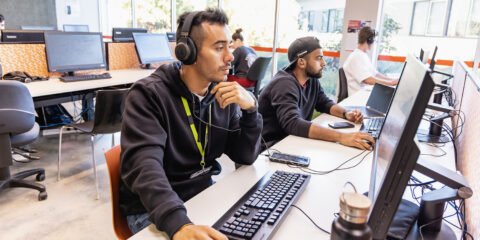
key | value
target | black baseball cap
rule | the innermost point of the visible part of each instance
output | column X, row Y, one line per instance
column 300, row 48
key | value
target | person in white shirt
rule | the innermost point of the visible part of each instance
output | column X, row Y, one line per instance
column 358, row 68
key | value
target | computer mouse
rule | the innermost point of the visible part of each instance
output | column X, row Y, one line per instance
column 370, row 143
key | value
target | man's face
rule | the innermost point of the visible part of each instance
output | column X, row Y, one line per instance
column 214, row 58
column 315, row 63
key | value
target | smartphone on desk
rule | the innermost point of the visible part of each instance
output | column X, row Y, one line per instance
column 339, row 125
column 290, row 159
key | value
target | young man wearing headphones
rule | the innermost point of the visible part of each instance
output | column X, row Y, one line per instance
column 288, row 101
column 177, row 121
column 358, row 68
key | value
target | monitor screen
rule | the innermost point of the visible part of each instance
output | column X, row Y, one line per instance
column 396, row 151
column 125, row 34
column 75, row 28
column 71, row 51
column 152, row 48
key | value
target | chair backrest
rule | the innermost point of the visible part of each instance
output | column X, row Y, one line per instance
column 257, row 72
column 17, row 113
column 120, row 225
column 342, row 87
column 108, row 111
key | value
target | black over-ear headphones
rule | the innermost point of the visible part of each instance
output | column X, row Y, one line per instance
column 186, row 51
column 371, row 39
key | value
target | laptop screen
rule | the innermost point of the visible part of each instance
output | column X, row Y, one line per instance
column 380, row 97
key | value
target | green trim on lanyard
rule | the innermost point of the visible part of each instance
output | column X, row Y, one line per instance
column 194, row 130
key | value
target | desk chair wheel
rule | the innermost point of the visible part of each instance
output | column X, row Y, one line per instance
column 40, row 177
column 42, row 196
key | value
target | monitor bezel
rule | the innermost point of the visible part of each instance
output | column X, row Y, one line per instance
column 157, row 60
column 401, row 165
column 39, row 32
column 71, row 68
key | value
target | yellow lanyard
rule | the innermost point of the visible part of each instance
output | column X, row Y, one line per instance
column 194, row 130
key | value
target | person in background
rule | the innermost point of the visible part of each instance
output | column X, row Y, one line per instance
column 288, row 101
column 358, row 67
column 243, row 59
column 177, row 122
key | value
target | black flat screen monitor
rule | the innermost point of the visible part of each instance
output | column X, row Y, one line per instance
column 45, row 28
column 22, row 36
column 396, row 151
column 125, row 34
column 72, row 51
column 171, row 36
column 75, row 28
column 152, row 48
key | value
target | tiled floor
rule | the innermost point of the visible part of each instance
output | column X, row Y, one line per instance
column 70, row 211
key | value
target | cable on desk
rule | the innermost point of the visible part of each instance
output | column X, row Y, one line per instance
column 317, row 172
column 311, row 220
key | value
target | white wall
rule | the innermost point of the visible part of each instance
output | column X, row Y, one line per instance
column 313, row 5
column 363, row 10
column 83, row 12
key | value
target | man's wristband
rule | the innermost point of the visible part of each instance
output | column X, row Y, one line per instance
column 344, row 114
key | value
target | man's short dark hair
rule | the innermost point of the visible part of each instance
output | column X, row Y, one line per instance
column 365, row 34
column 211, row 15
column 2, row 18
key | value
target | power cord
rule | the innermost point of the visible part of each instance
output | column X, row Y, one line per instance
column 311, row 220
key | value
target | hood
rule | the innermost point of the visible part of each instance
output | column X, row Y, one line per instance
column 171, row 74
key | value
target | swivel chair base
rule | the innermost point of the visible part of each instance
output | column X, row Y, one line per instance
column 17, row 180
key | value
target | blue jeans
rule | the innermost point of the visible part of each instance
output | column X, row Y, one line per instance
column 138, row 222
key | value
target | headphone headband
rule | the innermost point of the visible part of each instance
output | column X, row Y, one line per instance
column 186, row 51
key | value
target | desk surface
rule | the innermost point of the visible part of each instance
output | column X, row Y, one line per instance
column 320, row 200
column 55, row 86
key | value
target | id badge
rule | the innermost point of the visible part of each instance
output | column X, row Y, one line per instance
column 201, row 172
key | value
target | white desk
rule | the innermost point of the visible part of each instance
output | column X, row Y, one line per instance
column 320, row 200
column 55, row 91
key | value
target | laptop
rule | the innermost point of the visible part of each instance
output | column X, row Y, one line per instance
column 378, row 102
column 373, row 126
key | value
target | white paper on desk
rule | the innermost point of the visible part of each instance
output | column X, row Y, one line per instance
column 351, row 41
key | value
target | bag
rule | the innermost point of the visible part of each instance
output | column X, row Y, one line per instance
column 22, row 77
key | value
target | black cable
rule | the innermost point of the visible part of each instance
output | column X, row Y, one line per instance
column 317, row 172
column 311, row 220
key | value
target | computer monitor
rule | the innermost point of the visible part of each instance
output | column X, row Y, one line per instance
column 396, row 151
column 171, row 36
column 38, row 27
column 22, row 36
column 75, row 28
column 152, row 48
column 125, row 34
column 72, row 51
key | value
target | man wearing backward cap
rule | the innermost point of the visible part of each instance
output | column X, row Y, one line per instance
column 288, row 101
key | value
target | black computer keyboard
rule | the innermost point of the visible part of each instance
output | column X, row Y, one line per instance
column 259, row 212
column 372, row 126
column 85, row 77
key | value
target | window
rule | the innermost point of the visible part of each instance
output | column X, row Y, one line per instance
column 463, row 20
column 429, row 18
column 153, row 15
column 119, row 14
column 330, row 20
column 193, row 5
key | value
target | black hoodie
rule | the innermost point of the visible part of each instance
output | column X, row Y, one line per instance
column 287, row 107
column 159, row 152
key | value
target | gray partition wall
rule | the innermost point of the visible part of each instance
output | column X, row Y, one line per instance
column 28, row 12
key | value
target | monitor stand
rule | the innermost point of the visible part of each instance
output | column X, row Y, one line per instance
column 68, row 74
column 145, row 66
column 445, row 233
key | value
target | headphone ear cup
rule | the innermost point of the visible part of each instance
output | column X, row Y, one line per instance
column 181, row 51
column 186, row 51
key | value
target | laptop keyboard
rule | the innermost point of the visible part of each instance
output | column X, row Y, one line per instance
column 372, row 126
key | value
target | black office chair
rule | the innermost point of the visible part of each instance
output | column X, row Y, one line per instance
column 17, row 128
column 257, row 72
column 107, row 119
column 342, row 87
